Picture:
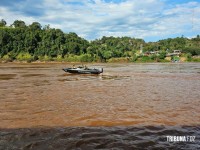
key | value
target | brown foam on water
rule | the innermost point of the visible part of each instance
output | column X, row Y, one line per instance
column 7, row 76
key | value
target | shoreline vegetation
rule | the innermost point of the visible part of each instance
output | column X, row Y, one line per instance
column 33, row 43
column 112, row 60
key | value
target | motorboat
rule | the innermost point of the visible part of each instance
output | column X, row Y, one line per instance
column 83, row 70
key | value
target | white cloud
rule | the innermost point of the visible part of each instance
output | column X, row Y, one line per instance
column 96, row 18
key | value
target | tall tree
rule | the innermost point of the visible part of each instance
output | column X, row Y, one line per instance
column 2, row 23
column 35, row 26
column 19, row 24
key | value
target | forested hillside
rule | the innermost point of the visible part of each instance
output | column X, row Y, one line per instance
column 19, row 41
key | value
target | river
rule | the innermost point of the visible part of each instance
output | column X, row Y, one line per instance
column 128, row 106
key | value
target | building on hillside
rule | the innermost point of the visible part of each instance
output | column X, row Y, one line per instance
column 174, row 53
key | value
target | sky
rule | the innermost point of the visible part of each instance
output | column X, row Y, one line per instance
column 151, row 20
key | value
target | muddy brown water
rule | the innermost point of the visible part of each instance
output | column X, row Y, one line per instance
column 128, row 106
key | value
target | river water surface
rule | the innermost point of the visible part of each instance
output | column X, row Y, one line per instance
column 128, row 106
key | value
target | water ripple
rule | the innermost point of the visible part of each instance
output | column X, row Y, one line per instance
column 135, row 137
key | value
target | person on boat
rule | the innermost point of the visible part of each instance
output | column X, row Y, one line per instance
column 85, row 67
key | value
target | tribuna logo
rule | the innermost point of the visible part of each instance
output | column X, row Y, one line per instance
column 180, row 138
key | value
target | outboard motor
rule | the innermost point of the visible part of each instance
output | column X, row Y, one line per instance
column 101, row 70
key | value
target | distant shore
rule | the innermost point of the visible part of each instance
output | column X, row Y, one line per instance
column 65, row 62
column 111, row 60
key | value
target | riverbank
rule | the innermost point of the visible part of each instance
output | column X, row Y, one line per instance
column 112, row 61
column 81, row 59
column 138, row 59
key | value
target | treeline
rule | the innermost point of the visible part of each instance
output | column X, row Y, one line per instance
column 34, row 42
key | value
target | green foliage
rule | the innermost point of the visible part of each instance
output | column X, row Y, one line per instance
column 107, row 54
column 119, row 60
column 59, row 58
column 35, row 26
column 45, row 58
column 78, row 58
column 72, row 58
column 19, row 24
column 144, row 59
column 196, row 59
column 162, row 55
column 192, row 50
column 86, row 58
column 24, row 57
column 175, row 58
column 2, row 23
column 172, row 44
column 7, row 58
column 134, row 58
column 189, row 56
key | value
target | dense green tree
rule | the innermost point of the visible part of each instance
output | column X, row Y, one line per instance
column 2, row 23
column 35, row 26
column 19, row 24
column 192, row 50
